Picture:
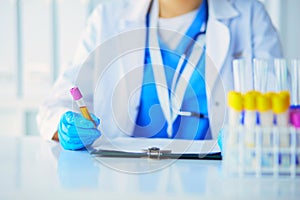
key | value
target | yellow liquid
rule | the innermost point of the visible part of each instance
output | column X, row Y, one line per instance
column 86, row 114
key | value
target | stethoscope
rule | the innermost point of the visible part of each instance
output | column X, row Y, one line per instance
column 171, row 102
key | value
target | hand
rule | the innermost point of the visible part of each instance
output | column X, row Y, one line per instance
column 75, row 132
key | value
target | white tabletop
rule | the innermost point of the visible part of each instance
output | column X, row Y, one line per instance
column 32, row 168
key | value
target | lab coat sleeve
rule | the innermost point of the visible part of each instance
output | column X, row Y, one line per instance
column 265, row 39
column 59, row 100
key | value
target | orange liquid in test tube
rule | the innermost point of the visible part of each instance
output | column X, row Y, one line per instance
column 85, row 112
column 77, row 96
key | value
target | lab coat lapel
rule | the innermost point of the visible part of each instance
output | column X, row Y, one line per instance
column 217, row 47
column 217, row 39
column 131, row 43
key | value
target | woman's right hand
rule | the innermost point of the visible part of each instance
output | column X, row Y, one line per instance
column 76, row 132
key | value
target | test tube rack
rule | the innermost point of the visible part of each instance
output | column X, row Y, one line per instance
column 263, row 158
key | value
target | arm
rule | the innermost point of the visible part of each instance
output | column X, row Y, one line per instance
column 59, row 100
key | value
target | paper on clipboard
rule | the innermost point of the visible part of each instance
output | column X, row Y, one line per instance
column 138, row 145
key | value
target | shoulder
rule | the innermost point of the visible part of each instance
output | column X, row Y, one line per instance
column 254, row 10
column 253, row 5
column 247, row 2
column 249, row 10
column 118, row 9
column 108, row 10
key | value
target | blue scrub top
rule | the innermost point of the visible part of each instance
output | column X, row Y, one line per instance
column 150, row 120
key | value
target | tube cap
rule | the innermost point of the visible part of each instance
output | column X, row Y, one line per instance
column 287, row 97
column 235, row 100
column 75, row 92
column 250, row 100
column 270, row 94
column 295, row 118
column 254, row 92
column 263, row 103
column 281, row 102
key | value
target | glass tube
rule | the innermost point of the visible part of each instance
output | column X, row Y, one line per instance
column 295, row 81
column 239, row 75
column 260, row 73
column 281, row 72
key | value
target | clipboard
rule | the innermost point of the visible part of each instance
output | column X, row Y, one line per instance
column 165, row 149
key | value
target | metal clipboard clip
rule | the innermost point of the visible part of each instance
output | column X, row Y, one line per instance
column 155, row 152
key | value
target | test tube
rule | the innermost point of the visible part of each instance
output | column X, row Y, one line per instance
column 281, row 72
column 77, row 96
column 280, row 106
column 250, row 117
column 260, row 73
column 235, row 104
column 295, row 92
column 239, row 75
column 295, row 81
column 264, row 108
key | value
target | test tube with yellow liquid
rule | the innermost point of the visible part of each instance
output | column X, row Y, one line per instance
column 77, row 96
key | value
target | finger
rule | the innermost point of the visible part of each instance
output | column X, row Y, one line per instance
column 76, row 119
column 89, row 133
column 73, row 143
column 71, row 146
column 95, row 119
column 72, row 134
column 66, row 143
column 74, row 131
column 68, row 136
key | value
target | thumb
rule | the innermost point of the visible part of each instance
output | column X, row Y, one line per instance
column 95, row 119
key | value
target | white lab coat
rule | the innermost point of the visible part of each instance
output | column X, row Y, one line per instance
column 110, row 75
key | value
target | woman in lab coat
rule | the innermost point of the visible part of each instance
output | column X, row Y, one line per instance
column 124, row 83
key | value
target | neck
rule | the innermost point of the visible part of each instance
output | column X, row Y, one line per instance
column 174, row 8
